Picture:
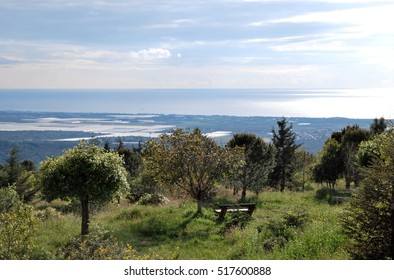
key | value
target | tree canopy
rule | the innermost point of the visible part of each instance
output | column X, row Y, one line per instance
column 189, row 161
column 87, row 173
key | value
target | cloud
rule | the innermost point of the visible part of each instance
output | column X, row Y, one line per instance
column 151, row 54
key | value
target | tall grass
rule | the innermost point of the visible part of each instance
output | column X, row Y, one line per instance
column 285, row 225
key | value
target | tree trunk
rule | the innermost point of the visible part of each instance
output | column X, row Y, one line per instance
column 243, row 195
column 85, row 215
column 199, row 205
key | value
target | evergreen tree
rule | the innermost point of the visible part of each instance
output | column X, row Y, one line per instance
column 369, row 217
column 284, row 142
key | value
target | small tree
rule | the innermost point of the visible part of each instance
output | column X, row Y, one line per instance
column 87, row 173
column 330, row 165
column 284, row 142
column 259, row 163
column 191, row 162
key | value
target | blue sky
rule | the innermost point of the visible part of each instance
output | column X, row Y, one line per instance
column 196, row 44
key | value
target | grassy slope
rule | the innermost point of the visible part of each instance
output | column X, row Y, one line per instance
column 164, row 229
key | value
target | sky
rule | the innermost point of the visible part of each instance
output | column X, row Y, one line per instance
column 196, row 44
column 343, row 46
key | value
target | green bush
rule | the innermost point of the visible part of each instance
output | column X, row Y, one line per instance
column 101, row 245
column 97, row 245
column 16, row 231
column 9, row 199
column 152, row 199
column 326, row 194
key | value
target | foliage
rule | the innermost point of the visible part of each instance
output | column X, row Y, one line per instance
column 132, row 160
column 153, row 199
column 87, row 173
column 101, row 245
column 259, row 163
column 145, row 184
column 303, row 162
column 378, row 126
column 368, row 219
column 9, row 199
column 330, row 166
column 20, row 174
column 189, row 161
column 16, row 231
column 284, row 142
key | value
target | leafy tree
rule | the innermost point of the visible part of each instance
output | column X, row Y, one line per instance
column 87, row 173
column 259, row 163
column 378, row 126
column 352, row 136
column 330, row 165
column 369, row 217
column 284, row 142
column 189, row 161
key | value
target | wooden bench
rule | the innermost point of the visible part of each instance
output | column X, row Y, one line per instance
column 238, row 207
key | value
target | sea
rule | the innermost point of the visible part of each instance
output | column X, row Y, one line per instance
column 350, row 103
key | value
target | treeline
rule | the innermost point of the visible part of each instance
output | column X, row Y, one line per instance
column 187, row 163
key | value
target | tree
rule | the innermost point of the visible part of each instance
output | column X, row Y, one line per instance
column 259, row 163
column 330, row 165
column 13, row 167
column 369, row 217
column 378, row 126
column 284, row 142
column 132, row 160
column 189, row 161
column 87, row 173
column 352, row 136
column 303, row 172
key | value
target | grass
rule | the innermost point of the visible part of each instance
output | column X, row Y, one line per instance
column 285, row 225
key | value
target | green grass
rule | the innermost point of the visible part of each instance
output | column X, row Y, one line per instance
column 285, row 225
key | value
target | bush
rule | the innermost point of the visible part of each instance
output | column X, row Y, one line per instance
column 101, row 245
column 326, row 194
column 16, row 231
column 236, row 219
column 142, row 186
column 152, row 199
column 9, row 199
column 97, row 245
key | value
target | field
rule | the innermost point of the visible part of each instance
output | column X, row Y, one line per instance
column 289, row 225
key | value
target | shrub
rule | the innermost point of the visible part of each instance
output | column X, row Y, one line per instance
column 16, row 230
column 101, row 245
column 97, row 245
column 296, row 218
column 152, row 199
column 9, row 199
column 236, row 219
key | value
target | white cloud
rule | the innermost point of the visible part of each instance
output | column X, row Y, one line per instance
column 151, row 54
column 367, row 20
